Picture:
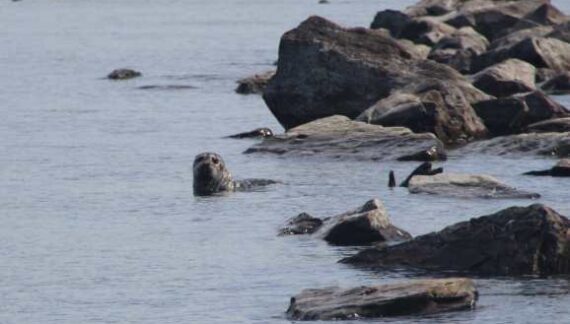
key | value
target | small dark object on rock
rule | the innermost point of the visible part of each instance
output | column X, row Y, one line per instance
column 258, row 132
column 123, row 74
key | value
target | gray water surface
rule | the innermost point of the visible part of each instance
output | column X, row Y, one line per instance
column 99, row 224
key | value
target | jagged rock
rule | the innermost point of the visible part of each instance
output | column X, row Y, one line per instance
column 561, row 32
column 531, row 240
column 561, row 169
column 340, row 137
column 426, row 296
column 506, row 78
column 549, row 144
column 256, row 133
column 326, row 70
column 123, row 74
column 539, row 51
column 559, row 125
column 392, row 20
column 366, row 224
column 459, row 48
column 301, row 224
column 441, row 109
column 511, row 115
column 513, row 38
column 560, row 84
column 466, row 186
column 255, row 83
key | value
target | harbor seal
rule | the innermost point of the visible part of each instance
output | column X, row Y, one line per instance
column 212, row 176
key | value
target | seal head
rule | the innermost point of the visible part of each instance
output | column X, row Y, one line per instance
column 211, row 174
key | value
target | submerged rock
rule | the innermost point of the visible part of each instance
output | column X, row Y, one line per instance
column 561, row 169
column 256, row 133
column 326, row 70
column 254, row 84
column 123, row 74
column 367, row 224
column 466, row 186
column 426, row 296
column 529, row 240
column 506, row 78
column 340, row 137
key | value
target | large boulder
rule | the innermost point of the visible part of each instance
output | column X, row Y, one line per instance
column 426, row 296
column 531, row 240
column 466, row 186
column 559, row 125
column 459, row 48
column 325, row 70
column 560, row 84
column 341, row 138
column 547, row 144
column 561, row 169
column 541, row 52
column 441, row 109
column 254, row 84
column 511, row 115
column 506, row 78
column 366, row 224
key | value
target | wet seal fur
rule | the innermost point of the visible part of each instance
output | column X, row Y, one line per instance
column 211, row 176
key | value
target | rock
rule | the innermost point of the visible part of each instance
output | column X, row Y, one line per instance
column 515, row 37
column 423, row 169
column 254, row 84
column 539, row 51
column 426, row 30
column 501, row 18
column 327, row 70
column 559, row 125
column 441, row 109
column 123, row 74
column 560, row 84
column 339, row 137
column 561, row 32
column 392, row 20
column 506, row 78
column 548, row 144
column 459, row 48
column 545, row 74
column 466, row 186
column 256, row 133
column 301, row 224
column 434, row 7
column 511, row 115
column 561, row 169
column 367, row 224
column 531, row 240
column 426, row 296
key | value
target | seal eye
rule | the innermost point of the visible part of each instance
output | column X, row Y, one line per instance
column 215, row 160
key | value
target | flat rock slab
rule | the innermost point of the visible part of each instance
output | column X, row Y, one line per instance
column 531, row 240
column 466, row 186
column 340, row 137
column 548, row 144
column 418, row 297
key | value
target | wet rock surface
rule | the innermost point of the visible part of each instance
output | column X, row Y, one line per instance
column 529, row 240
column 466, row 186
column 409, row 298
column 339, row 137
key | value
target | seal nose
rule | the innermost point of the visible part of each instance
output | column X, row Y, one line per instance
column 215, row 160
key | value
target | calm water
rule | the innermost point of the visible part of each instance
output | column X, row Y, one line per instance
column 99, row 224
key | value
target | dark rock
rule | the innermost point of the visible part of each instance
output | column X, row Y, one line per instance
column 339, row 137
column 545, row 74
column 256, row 133
column 434, row 7
column 392, row 20
column 561, row 169
column 325, row 70
column 423, row 169
column 301, row 224
column 441, row 109
column 391, row 179
column 466, row 186
column 561, row 32
column 411, row 298
column 459, row 48
column 548, row 144
column 123, row 74
column 560, row 84
column 511, row 115
column 558, row 125
column 539, row 51
column 530, row 240
column 515, row 37
column 254, row 84
column 426, row 30
column 506, row 78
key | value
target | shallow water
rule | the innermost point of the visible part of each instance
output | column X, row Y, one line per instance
column 99, row 224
